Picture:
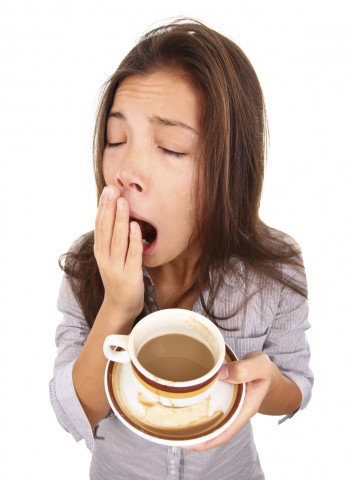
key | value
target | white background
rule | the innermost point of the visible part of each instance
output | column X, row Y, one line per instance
column 54, row 57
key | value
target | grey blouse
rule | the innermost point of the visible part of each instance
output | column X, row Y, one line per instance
column 274, row 321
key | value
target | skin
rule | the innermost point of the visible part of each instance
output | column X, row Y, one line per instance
column 149, row 166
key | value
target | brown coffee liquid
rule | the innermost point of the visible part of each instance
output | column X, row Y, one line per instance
column 176, row 357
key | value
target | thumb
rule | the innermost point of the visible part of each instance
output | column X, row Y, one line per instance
column 255, row 366
column 235, row 372
column 224, row 373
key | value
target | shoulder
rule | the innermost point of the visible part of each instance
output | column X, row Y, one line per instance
column 83, row 242
column 81, row 250
column 280, row 262
column 279, row 240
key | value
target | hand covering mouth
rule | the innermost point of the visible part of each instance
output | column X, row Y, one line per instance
column 149, row 233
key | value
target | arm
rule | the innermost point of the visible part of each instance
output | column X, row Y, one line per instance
column 283, row 396
column 278, row 379
column 77, row 387
column 277, row 394
column 71, row 334
column 267, row 391
column 118, row 250
column 88, row 370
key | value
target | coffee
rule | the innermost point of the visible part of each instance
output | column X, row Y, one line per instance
column 176, row 357
column 177, row 369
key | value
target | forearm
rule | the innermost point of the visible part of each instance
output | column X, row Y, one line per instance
column 88, row 371
column 283, row 396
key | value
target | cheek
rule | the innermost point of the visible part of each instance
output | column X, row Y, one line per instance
column 186, row 195
column 186, row 185
column 184, row 192
column 193, row 194
column 108, row 172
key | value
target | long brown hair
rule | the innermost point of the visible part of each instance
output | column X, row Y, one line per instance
column 230, row 170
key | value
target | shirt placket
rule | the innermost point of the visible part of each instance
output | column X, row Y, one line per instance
column 174, row 463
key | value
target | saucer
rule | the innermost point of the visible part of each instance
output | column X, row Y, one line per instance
column 172, row 426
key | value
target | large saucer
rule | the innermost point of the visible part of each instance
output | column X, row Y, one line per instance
column 183, row 426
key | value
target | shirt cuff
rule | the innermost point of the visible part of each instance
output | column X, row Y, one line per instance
column 68, row 408
column 305, row 388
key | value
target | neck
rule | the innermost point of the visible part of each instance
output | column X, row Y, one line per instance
column 174, row 279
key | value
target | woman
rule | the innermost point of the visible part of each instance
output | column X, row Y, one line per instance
column 179, row 161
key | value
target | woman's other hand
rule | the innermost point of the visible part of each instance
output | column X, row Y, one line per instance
column 268, row 391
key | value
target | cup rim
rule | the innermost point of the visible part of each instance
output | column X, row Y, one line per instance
column 188, row 385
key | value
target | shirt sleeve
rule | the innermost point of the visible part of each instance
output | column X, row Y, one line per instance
column 71, row 335
column 286, row 343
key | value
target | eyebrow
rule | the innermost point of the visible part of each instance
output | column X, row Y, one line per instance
column 116, row 115
column 166, row 122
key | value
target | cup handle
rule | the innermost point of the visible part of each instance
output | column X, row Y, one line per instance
column 121, row 356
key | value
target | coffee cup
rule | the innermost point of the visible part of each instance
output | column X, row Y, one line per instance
column 175, row 356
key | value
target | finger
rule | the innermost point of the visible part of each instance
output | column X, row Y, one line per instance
column 253, row 367
column 251, row 405
column 134, row 254
column 105, row 220
column 120, row 237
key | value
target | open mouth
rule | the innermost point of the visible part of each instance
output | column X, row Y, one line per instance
column 149, row 233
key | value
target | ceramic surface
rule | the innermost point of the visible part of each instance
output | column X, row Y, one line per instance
column 172, row 426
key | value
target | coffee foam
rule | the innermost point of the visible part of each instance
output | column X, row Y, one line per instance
column 162, row 421
column 178, row 421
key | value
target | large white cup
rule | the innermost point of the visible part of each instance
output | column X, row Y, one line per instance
column 125, row 348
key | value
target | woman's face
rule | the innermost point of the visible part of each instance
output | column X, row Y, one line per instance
column 152, row 137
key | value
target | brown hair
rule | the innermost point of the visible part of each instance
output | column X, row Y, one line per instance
column 231, row 165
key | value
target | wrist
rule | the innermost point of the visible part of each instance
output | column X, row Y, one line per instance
column 283, row 395
column 274, row 375
column 114, row 317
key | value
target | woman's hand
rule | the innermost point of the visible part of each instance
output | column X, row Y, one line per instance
column 118, row 251
column 267, row 391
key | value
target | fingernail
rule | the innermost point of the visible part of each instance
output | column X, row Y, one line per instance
column 109, row 191
column 224, row 373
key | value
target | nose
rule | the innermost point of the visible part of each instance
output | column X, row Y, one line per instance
column 124, row 183
column 130, row 175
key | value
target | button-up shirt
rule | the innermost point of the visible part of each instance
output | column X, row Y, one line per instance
column 273, row 321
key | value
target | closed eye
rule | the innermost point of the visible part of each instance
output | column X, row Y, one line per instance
column 115, row 144
column 172, row 153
